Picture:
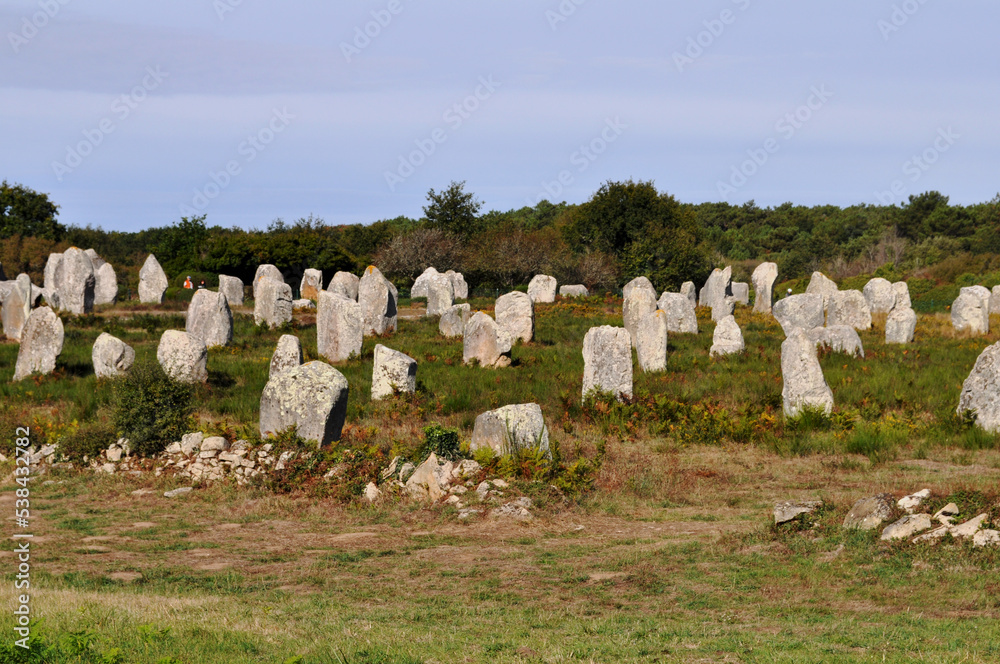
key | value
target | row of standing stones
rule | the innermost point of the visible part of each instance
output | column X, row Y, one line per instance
column 313, row 396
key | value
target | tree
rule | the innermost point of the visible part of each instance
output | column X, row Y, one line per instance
column 27, row 213
column 453, row 210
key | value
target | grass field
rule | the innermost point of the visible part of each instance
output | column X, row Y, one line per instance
column 670, row 558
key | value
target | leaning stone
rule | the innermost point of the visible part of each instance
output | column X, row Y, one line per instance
column 607, row 361
column 377, row 298
column 53, row 279
column 510, row 429
column 338, row 327
column 689, row 291
column 346, row 284
column 763, row 279
column 802, row 375
column 210, row 319
column 312, row 397
column 848, row 308
column 799, row 312
column 901, row 290
column 741, row 292
column 969, row 314
column 900, row 326
column 986, row 538
column 440, row 294
column 681, row 316
column 486, row 342
column 272, row 305
column 266, row 271
column 152, row 282
column 392, row 372
column 907, row 527
column 820, row 285
column 105, row 285
column 232, row 289
column 575, row 290
column 41, row 343
column 311, row 284
column 111, row 356
column 458, row 284
column 16, row 307
column 423, row 483
column 183, row 357
column 515, row 313
column 717, row 288
column 869, row 513
column 651, row 341
column 639, row 303
column 788, row 511
column 638, row 282
column 542, row 288
column 727, row 339
column 76, row 293
column 839, row 339
column 880, row 295
column 980, row 395
column 452, row 323
column 287, row 355
column 419, row 287
column 913, row 501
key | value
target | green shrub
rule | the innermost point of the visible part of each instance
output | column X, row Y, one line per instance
column 87, row 442
column 150, row 408
column 442, row 441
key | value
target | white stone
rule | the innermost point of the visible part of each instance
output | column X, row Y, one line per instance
column 727, row 339
column 419, row 287
column 511, row 428
column 900, row 326
column 287, row 355
column 639, row 303
column 981, row 292
column 440, row 294
column 723, row 308
column 741, row 292
column 53, row 279
column 377, row 298
column 392, row 372
column 313, row 397
column 804, row 383
column 152, row 281
column 542, row 288
column 41, row 344
column 638, row 282
column 232, row 289
column 272, row 305
column 339, row 327
column 266, row 271
column 848, row 308
column 486, row 342
column 453, row 321
column 980, row 395
column 986, row 538
column 183, row 357
column 969, row 314
column 690, row 291
column 799, row 312
column 651, row 341
column 902, row 292
column 371, row 492
column 880, row 295
column 460, row 288
column 909, row 525
column 515, row 313
column 576, row 290
column 105, row 285
column 680, row 310
column 76, row 293
column 311, row 284
column 717, row 288
column 16, row 307
column 839, row 339
column 424, row 483
column 111, row 356
column 763, row 279
column 995, row 300
column 607, row 361
column 346, row 284
column 913, row 501
column 820, row 285
column 210, row 319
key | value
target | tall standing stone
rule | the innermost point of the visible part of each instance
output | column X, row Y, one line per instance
column 799, row 312
column 311, row 284
column 16, row 307
column 542, row 289
column 312, row 397
column 287, row 355
column 727, row 339
column 901, row 293
column 718, row 286
column 453, row 320
column 232, row 289
column 377, row 298
column 76, row 294
column 511, row 429
column 458, row 284
column 111, row 356
column 981, row 392
column 152, row 281
column 440, row 294
column 639, row 303
column 338, row 327
column 53, row 279
column 95, row 260
column 41, row 343
column 880, row 295
column 419, row 287
column 272, row 305
column 848, row 308
column 607, row 361
column 969, row 314
column 210, row 319
column 820, row 285
column 183, row 357
column 516, row 314
column 486, row 342
column 639, row 282
column 763, row 279
column 804, row 383
column 346, row 284
column 681, row 316
column 690, row 291
column 266, row 271
column 651, row 341
column 995, row 300
column 900, row 326
column 105, row 285
column 392, row 372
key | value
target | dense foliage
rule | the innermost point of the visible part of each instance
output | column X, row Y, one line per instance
column 150, row 408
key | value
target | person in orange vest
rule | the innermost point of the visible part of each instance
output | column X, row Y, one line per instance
column 188, row 284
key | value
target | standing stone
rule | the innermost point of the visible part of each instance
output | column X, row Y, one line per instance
column 690, row 291
column 111, row 356
column 95, row 260
column 41, row 343
column 576, row 290
column 346, row 284
column 312, row 397
column 511, row 429
column 453, row 320
column 393, row 372
column 266, row 271
column 516, row 314
column 486, row 342
column 607, row 361
column 287, row 355
column 638, row 282
column 77, row 292
column 232, row 289
column 880, row 295
column 981, row 392
column 338, row 327
column 458, row 284
column 723, row 308
column 839, row 339
column 901, row 291
column 718, row 286
column 210, row 319
column 681, row 317
column 981, row 292
column 848, row 308
column 763, row 279
column 152, row 282
column 272, row 305
column 799, row 312
column 995, row 300
column 53, row 279
column 183, row 357
column 741, row 292
column 969, row 314
column 900, row 326
column 639, row 303
column 311, row 284
column 419, row 288
column 819, row 284
column 728, row 338
column 804, row 383
column 377, row 298
column 105, row 285
column 440, row 294
column 542, row 288
column 16, row 307
column 651, row 341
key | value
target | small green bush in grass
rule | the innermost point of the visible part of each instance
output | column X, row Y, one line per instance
column 442, row 441
column 87, row 442
column 150, row 408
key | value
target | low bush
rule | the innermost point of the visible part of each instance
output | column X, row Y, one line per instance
column 150, row 408
column 87, row 442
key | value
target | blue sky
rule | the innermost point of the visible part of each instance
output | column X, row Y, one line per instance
column 132, row 114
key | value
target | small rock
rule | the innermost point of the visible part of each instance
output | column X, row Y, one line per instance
column 909, row 525
column 911, row 502
column 987, row 538
column 468, row 512
column 114, row 453
column 500, row 484
column 215, row 443
column 945, row 513
column 371, row 492
column 510, row 510
column 108, row 468
column 970, row 527
column 406, row 471
column 178, row 492
column 869, row 513
column 787, row 511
